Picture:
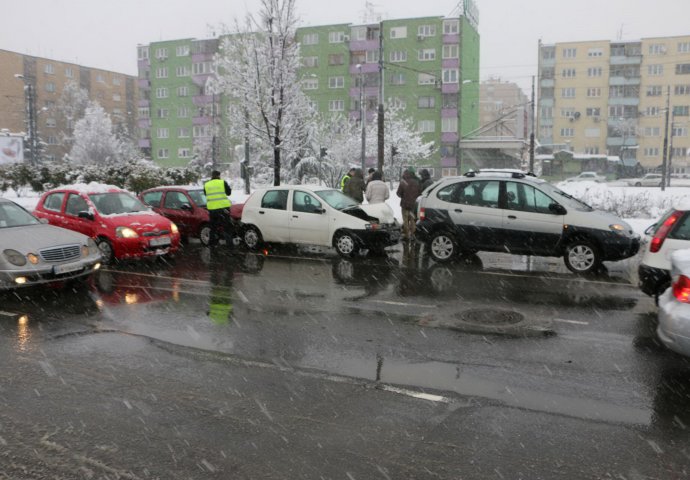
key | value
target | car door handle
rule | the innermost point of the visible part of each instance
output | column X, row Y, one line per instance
column 512, row 217
column 459, row 210
column 295, row 216
column 261, row 212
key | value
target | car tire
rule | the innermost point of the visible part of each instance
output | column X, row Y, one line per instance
column 106, row 249
column 638, row 184
column 252, row 237
column 205, row 234
column 581, row 256
column 345, row 244
column 442, row 246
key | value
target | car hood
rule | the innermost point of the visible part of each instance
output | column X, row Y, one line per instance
column 602, row 220
column 32, row 238
column 380, row 211
column 139, row 221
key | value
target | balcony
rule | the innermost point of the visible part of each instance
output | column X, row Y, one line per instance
column 618, row 141
column 144, row 143
column 366, row 68
column 449, row 137
column 621, row 80
column 547, row 82
column 624, row 101
column 201, row 100
column 359, row 45
column 202, row 121
column 450, row 88
column 144, row 123
column 144, row 83
column 625, row 60
column 449, row 162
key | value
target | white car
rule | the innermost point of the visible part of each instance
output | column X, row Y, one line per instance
column 649, row 180
column 320, row 216
column 674, row 306
column 587, row 177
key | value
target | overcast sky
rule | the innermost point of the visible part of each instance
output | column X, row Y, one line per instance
column 105, row 33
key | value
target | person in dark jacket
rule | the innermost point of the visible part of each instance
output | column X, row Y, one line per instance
column 408, row 191
column 424, row 179
column 354, row 188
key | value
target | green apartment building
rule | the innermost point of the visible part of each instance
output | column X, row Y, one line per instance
column 430, row 65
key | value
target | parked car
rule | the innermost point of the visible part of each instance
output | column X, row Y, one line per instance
column 587, row 177
column 670, row 233
column 517, row 213
column 648, row 180
column 674, row 306
column 186, row 207
column 121, row 225
column 35, row 253
column 317, row 215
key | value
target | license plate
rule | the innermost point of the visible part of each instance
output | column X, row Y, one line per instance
column 159, row 242
column 70, row 267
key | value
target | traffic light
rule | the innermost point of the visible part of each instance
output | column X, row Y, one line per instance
column 394, row 151
column 323, row 152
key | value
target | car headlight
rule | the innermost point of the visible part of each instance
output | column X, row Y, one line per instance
column 92, row 246
column 618, row 228
column 173, row 228
column 125, row 232
column 14, row 257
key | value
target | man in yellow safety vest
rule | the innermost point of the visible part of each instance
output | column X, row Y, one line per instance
column 218, row 206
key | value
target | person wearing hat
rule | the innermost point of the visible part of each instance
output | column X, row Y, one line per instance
column 218, row 206
column 425, row 179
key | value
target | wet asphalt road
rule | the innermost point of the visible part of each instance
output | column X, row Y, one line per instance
column 299, row 364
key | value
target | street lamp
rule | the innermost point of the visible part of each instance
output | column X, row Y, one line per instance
column 31, row 114
column 464, row 82
column 362, row 116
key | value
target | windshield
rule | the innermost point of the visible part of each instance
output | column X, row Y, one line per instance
column 12, row 215
column 336, row 199
column 565, row 198
column 115, row 203
column 199, row 197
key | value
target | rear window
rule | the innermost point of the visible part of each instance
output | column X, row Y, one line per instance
column 682, row 229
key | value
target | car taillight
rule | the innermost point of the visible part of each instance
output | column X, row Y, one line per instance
column 663, row 231
column 681, row 289
column 422, row 213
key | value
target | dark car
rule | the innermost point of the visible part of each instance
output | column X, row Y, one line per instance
column 186, row 206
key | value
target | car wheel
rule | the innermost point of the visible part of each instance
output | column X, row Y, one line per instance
column 205, row 234
column 638, row 184
column 581, row 256
column 252, row 237
column 442, row 246
column 345, row 244
column 106, row 249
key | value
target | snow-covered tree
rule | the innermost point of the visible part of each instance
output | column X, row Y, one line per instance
column 94, row 140
column 71, row 106
column 400, row 132
column 257, row 67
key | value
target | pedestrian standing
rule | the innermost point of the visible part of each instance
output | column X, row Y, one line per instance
column 346, row 178
column 377, row 191
column 354, row 188
column 370, row 175
column 218, row 206
column 408, row 191
column 424, row 179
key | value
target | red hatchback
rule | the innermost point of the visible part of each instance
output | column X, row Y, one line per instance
column 186, row 207
column 121, row 225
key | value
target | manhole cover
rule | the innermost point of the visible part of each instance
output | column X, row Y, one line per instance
column 489, row 316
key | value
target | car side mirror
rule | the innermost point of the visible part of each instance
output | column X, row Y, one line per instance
column 86, row 215
column 44, row 221
column 557, row 209
column 185, row 206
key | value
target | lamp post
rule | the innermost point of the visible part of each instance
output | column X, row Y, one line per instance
column 362, row 116
column 463, row 82
column 31, row 117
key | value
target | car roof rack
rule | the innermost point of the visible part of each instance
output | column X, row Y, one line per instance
column 506, row 171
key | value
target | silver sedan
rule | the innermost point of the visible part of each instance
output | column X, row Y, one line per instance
column 33, row 253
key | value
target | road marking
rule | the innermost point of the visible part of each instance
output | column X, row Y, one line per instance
column 413, row 394
column 404, row 304
column 8, row 314
column 575, row 322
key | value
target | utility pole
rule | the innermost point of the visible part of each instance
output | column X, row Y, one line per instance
column 665, row 147
column 362, row 118
column 31, row 117
column 246, row 168
column 379, row 165
column 531, row 135
column 670, row 153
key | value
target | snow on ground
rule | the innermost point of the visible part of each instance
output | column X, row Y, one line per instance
column 639, row 206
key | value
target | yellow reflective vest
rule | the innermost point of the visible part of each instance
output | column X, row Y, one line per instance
column 343, row 181
column 215, row 194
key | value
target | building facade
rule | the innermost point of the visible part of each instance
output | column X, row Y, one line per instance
column 430, row 66
column 611, row 98
column 504, row 110
column 45, row 79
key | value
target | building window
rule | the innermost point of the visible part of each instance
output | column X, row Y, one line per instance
column 681, row 90
column 162, row 113
column 680, row 131
column 183, row 91
column 161, row 92
column 655, row 70
column 568, row 92
column 449, row 125
column 336, row 37
column 182, row 51
column 310, row 83
column 425, row 79
column 568, row 73
column 595, row 72
column 654, row 90
column 161, row 53
column 183, row 132
column 651, row 151
column 201, row 68
column 683, row 47
column 652, row 131
column 426, row 102
column 594, row 92
column 679, row 151
column 592, row 150
column 397, row 102
column 595, row 52
column 398, row 56
column 336, row 82
column 546, row 131
column 201, row 131
column 397, row 78
column 117, row 81
column 143, row 53
column 372, row 56
column 567, row 132
column 449, row 172
column 451, row 51
column 162, row 72
column 569, row 52
column 426, row 54
column 546, row 112
column 116, row 97
column 683, row 69
column 183, row 152
column 162, row 133
column 52, row 140
column 548, row 53
column 651, row 112
column 426, row 126
column 69, row 73
column 681, row 110
column 336, row 105
column 448, row 150
column 593, row 111
column 310, row 39
column 310, row 62
column 451, row 27
column 426, row 31
column 100, row 78
column 51, row 123
column 450, row 75
column 182, row 112
column 657, row 49
column 398, row 32
column 336, row 59
column 163, row 153
column 144, row 112
column 49, row 69
column 568, row 112
column 182, row 71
